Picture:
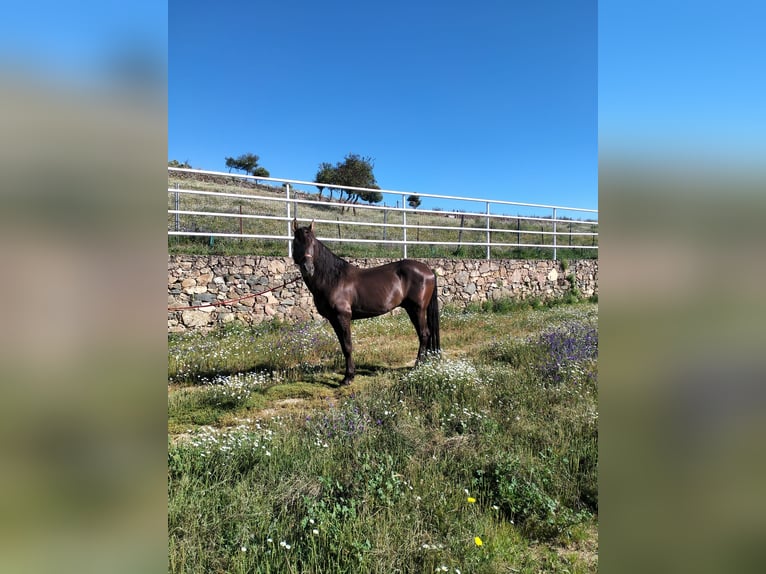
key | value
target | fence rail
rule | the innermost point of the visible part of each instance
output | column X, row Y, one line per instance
column 204, row 213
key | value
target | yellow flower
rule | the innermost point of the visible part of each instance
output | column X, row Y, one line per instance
column 478, row 541
column 471, row 499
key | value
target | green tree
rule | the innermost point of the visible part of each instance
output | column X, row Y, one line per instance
column 325, row 174
column 353, row 171
column 370, row 195
column 247, row 162
column 413, row 201
column 176, row 163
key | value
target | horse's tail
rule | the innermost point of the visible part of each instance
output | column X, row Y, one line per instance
column 432, row 320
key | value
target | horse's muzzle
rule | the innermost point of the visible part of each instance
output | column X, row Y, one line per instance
column 307, row 267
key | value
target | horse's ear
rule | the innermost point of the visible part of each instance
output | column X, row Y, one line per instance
column 311, row 227
column 295, row 225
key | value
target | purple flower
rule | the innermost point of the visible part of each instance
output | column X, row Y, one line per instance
column 570, row 344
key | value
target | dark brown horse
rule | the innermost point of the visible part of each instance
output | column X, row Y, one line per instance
column 344, row 292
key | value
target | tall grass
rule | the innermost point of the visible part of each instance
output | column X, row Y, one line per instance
column 482, row 461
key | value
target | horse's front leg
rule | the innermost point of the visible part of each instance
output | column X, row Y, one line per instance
column 342, row 326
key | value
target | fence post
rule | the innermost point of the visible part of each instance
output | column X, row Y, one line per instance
column 177, row 203
column 554, row 234
column 289, row 220
column 489, row 227
column 404, row 227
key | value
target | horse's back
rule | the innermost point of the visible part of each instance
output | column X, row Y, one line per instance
column 377, row 290
column 416, row 270
column 418, row 280
column 407, row 270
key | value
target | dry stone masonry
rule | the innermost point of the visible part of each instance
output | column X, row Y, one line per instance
column 194, row 280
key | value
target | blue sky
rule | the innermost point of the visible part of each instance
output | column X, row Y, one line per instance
column 492, row 99
column 79, row 44
column 683, row 80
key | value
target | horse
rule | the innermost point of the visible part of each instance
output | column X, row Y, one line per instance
column 344, row 292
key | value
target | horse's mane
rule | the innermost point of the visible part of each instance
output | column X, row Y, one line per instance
column 328, row 265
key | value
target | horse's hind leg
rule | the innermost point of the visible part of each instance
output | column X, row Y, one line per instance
column 418, row 318
column 342, row 326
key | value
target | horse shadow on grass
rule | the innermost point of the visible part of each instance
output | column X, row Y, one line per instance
column 326, row 376
column 332, row 379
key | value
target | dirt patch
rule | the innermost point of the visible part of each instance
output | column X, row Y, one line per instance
column 279, row 405
column 585, row 550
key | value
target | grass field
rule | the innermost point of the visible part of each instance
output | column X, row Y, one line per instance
column 482, row 461
column 459, row 227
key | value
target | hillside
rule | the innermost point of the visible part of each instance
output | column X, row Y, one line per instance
column 265, row 201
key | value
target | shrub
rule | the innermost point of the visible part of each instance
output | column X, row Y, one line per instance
column 450, row 394
column 567, row 351
column 526, row 493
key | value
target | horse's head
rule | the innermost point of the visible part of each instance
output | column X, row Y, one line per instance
column 304, row 247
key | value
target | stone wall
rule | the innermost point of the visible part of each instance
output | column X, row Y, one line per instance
column 194, row 280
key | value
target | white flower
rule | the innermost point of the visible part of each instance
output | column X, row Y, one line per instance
column 315, row 531
column 244, row 549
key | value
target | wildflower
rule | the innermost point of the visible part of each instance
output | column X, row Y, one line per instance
column 244, row 549
column 478, row 541
column 315, row 531
column 471, row 499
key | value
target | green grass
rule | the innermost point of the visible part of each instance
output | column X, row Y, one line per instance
column 281, row 470
column 467, row 228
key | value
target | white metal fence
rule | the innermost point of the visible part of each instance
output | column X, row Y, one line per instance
column 295, row 196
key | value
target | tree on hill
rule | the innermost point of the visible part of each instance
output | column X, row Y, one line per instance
column 247, row 162
column 413, row 201
column 325, row 174
column 353, row 171
column 176, row 163
column 371, row 196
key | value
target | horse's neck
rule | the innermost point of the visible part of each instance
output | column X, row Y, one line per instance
column 332, row 267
